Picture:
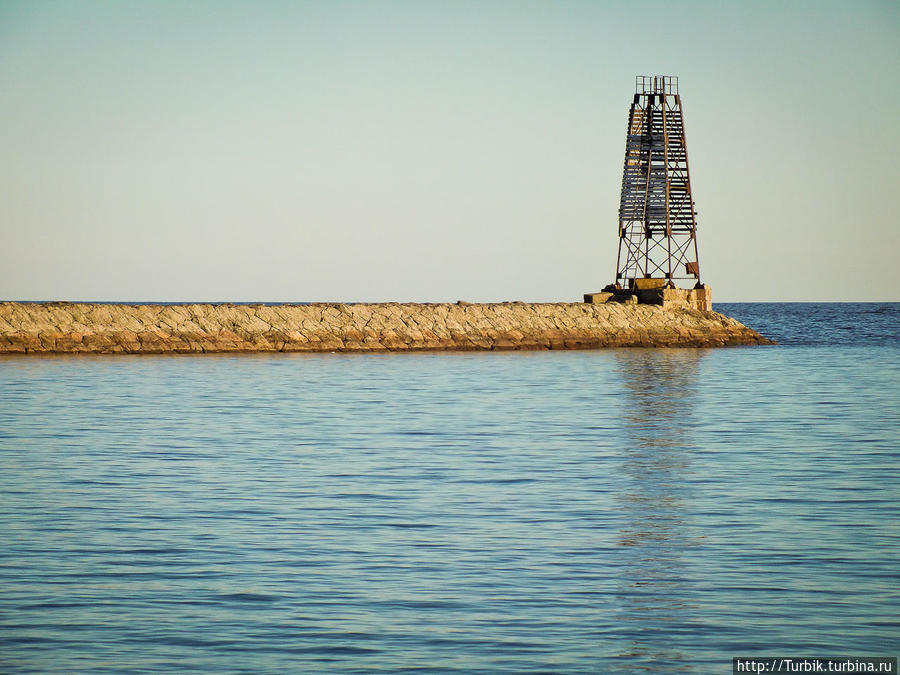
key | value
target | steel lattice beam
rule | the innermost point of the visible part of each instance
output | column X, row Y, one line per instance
column 657, row 220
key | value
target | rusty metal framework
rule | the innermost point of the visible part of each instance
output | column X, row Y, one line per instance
column 657, row 220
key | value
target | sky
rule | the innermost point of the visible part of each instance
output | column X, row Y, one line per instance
column 436, row 151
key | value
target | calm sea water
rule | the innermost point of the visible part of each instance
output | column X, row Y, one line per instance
column 561, row 512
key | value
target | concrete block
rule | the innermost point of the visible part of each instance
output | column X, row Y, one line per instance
column 597, row 298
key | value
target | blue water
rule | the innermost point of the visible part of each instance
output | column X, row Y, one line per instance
column 567, row 512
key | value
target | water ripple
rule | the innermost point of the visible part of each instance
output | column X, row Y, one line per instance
column 611, row 511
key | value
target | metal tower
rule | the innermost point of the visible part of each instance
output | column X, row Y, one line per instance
column 657, row 221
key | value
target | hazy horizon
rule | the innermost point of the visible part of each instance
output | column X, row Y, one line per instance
column 431, row 152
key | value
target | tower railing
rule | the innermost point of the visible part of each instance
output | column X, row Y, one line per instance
column 656, row 84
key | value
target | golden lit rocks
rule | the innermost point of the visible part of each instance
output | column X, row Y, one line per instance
column 60, row 327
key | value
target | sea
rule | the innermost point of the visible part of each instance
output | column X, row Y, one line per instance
column 607, row 511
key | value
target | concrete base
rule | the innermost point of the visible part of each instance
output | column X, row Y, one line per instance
column 688, row 298
column 692, row 298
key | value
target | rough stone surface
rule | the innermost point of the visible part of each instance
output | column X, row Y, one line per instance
column 63, row 327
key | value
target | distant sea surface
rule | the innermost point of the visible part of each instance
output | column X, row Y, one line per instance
column 617, row 511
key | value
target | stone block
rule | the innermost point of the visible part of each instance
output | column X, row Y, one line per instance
column 694, row 298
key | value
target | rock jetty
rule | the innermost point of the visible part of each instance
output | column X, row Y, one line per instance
column 67, row 327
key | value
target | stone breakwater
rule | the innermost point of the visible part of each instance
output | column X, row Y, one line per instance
column 64, row 327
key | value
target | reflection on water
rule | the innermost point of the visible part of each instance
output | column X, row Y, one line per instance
column 660, row 395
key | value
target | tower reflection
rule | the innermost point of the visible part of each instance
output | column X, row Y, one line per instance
column 660, row 387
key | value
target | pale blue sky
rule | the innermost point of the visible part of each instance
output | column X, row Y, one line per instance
column 435, row 151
